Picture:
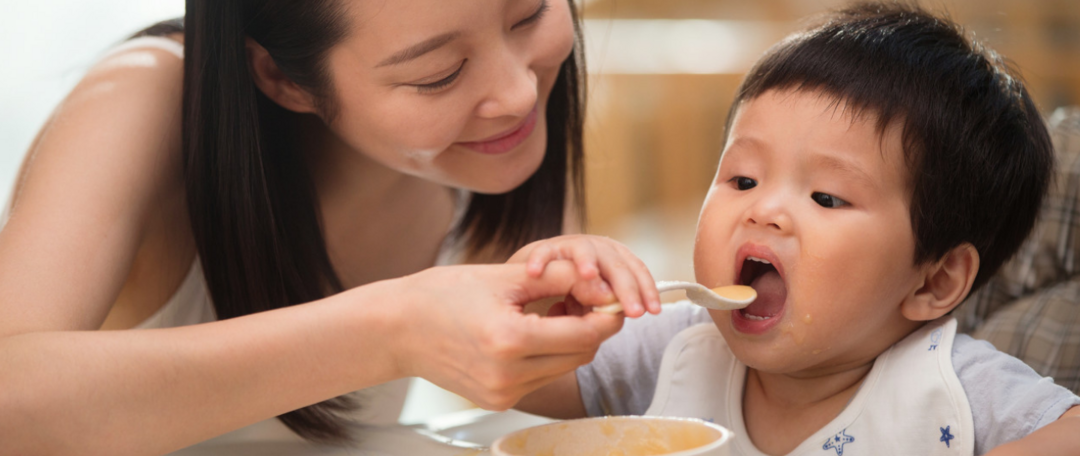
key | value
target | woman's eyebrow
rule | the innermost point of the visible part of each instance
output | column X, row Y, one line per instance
column 419, row 49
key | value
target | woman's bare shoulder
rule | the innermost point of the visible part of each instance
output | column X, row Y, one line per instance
column 101, row 169
column 126, row 110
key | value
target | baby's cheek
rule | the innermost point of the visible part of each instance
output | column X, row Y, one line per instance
column 714, row 258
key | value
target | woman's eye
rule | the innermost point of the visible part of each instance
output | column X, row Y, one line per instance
column 827, row 200
column 442, row 83
column 744, row 183
column 535, row 17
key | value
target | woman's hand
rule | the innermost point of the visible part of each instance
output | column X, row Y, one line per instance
column 610, row 271
column 463, row 328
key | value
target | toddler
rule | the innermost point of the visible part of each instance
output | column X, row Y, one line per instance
column 876, row 170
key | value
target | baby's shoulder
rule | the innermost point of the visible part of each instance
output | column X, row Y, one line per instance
column 1008, row 398
column 973, row 357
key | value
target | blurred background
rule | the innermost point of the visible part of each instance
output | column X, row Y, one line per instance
column 662, row 75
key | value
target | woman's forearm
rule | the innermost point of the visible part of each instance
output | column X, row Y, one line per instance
column 154, row 391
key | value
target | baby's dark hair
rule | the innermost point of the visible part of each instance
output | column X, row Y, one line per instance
column 978, row 154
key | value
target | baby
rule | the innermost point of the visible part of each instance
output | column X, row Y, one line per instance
column 876, row 170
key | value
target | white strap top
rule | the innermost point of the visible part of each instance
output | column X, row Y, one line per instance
column 153, row 42
column 910, row 403
column 379, row 405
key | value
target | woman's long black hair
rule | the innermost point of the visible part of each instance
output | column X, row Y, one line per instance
column 250, row 197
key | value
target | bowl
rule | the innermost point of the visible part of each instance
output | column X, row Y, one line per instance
column 617, row 436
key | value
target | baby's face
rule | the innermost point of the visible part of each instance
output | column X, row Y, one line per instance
column 823, row 198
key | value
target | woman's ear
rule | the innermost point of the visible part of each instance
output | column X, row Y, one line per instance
column 273, row 83
column 945, row 285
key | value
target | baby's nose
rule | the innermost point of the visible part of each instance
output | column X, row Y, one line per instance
column 770, row 212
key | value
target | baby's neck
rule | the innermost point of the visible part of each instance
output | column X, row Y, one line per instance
column 781, row 410
column 806, row 389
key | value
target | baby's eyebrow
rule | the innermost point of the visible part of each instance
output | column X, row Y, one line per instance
column 841, row 165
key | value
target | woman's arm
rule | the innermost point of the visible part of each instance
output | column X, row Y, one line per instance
column 97, row 173
column 153, row 391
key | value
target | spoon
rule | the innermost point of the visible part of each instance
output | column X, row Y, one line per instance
column 730, row 297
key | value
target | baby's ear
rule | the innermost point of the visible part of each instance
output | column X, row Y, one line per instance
column 945, row 285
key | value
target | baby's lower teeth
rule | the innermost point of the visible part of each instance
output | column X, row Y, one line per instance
column 755, row 317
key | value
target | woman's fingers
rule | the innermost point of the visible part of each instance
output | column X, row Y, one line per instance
column 650, row 296
column 584, row 256
column 577, row 249
column 606, row 270
column 565, row 335
column 614, row 267
column 558, row 278
column 538, row 259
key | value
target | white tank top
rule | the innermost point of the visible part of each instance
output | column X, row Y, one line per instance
column 910, row 403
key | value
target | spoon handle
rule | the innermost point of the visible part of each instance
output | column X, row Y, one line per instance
column 730, row 297
column 662, row 286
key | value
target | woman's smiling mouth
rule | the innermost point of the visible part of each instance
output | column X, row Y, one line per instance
column 508, row 140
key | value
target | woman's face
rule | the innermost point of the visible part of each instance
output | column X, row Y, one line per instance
column 453, row 91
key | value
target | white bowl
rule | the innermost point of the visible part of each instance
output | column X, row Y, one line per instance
column 624, row 436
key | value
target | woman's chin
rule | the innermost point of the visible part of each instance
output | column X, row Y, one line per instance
column 506, row 178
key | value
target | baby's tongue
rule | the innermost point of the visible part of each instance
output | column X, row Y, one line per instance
column 771, row 294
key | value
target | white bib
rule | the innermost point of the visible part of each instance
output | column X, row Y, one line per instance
column 911, row 402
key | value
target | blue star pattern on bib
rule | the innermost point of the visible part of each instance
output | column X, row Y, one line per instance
column 946, row 436
column 837, row 442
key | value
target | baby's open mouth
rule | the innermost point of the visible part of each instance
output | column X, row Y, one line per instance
column 765, row 279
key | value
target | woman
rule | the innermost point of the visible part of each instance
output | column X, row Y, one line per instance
column 296, row 152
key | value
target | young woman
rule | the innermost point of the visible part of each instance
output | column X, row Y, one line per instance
column 260, row 192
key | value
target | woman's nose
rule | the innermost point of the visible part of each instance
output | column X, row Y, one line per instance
column 513, row 89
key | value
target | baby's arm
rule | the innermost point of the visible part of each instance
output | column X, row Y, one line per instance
column 609, row 271
column 1062, row 437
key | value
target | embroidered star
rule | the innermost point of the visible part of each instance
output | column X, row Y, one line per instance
column 946, row 436
column 837, row 442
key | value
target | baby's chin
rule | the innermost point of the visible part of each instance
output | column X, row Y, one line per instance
column 791, row 366
column 778, row 352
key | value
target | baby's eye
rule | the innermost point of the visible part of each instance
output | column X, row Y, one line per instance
column 827, row 200
column 744, row 183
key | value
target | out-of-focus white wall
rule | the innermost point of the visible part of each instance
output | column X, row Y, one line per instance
column 45, row 47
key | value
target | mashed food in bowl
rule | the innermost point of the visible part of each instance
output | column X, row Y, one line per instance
column 615, row 436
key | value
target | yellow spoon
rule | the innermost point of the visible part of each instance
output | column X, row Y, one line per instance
column 730, row 297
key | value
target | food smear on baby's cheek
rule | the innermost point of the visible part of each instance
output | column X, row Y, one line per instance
column 797, row 329
column 789, row 328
